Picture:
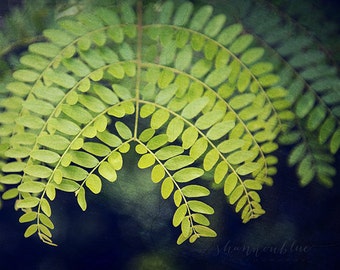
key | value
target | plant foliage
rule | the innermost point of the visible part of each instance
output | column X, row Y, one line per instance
column 201, row 100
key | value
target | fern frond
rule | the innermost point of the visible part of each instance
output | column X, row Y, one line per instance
column 312, row 85
column 192, row 95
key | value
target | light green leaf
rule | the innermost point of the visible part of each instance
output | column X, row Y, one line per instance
column 236, row 194
column 146, row 134
column 45, row 156
column 30, row 121
column 159, row 118
column 94, row 183
column 198, row 148
column 59, row 78
column 123, row 130
column 65, row 126
column 174, row 129
column 146, row 161
column 77, row 113
column 70, row 172
column 189, row 137
column 210, row 159
column 169, row 151
column 184, row 58
column 177, row 198
column 107, row 171
column 188, row 174
column 17, row 152
column 105, row 94
column 116, row 160
column 240, row 156
column 84, row 159
column 92, row 103
column 167, row 187
column 25, row 75
column 46, row 221
column 45, row 49
column 81, row 199
column 230, row 184
column 10, row 194
column 200, row 219
column 192, row 191
column 230, row 145
column 31, row 186
column 241, row 101
column 220, row 171
column 183, row 13
column 241, row 43
column 68, row 186
column 220, row 129
column 204, row 231
column 32, row 229
column 200, row 68
column 50, row 191
column 252, row 184
column 146, row 110
column 218, row 76
column 28, row 217
column 178, row 162
column 208, row 119
column 39, row 171
column 248, row 168
column 243, row 80
column 157, row 141
column 28, row 202
column 186, row 227
column 55, row 142
column 97, row 149
column 164, row 80
column 252, row 55
column 229, row 34
column 201, row 17
column 179, row 215
column 200, row 207
column 157, row 173
column 240, row 204
column 215, row 25
column 45, row 207
column 16, row 166
column 108, row 138
column 166, row 94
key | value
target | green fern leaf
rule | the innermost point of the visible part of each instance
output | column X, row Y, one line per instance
column 188, row 92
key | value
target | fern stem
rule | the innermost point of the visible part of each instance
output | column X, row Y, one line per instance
column 139, row 60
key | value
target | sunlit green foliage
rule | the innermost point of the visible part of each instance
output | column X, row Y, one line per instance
column 192, row 92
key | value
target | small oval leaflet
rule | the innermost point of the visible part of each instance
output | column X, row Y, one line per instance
column 179, row 215
column 178, row 162
column 167, row 187
column 31, row 186
column 188, row 174
column 94, row 183
column 192, row 191
column 230, row 184
column 200, row 207
column 146, row 161
column 107, row 171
